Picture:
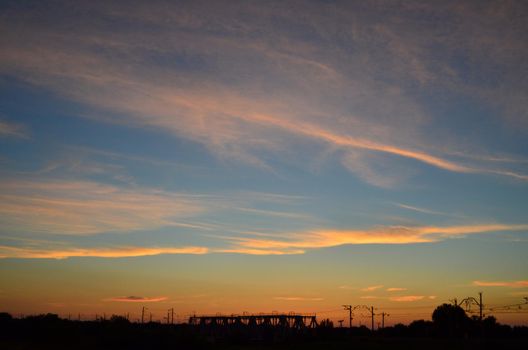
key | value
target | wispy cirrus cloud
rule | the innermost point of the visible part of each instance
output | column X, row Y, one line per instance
column 9, row 129
column 263, row 251
column 136, row 299
column 84, row 207
column 238, row 118
column 510, row 284
column 420, row 210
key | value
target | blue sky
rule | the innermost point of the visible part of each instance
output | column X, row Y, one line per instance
column 302, row 136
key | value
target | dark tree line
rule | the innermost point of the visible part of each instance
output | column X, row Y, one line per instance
column 50, row 331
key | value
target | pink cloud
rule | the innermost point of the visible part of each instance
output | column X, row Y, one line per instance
column 136, row 299
column 407, row 298
column 298, row 299
column 115, row 252
column 511, row 284
column 371, row 288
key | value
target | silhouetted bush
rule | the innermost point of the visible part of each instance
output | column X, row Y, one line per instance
column 326, row 324
column 116, row 319
column 5, row 317
column 451, row 321
column 420, row 328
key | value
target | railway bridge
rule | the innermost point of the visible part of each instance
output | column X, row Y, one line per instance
column 289, row 320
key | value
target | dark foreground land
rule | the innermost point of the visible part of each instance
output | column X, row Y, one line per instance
column 51, row 332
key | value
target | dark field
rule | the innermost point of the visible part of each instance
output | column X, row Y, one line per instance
column 350, row 343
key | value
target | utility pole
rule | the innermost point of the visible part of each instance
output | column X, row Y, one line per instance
column 143, row 314
column 383, row 314
column 349, row 308
column 372, row 318
column 480, row 306
column 471, row 300
column 172, row 315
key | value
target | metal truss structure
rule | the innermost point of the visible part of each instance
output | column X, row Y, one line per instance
column 293, row 321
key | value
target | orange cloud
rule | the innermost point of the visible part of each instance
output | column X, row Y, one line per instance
column 395, row 289
column 297, row 243
column 298, row 299
column 250, row 251
column 380, row 235
column 511, row 284
column 119, row 252
column 371, row 288
column 407, row 298
column 135, row 299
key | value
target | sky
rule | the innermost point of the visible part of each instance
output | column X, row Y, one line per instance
column 258, row 156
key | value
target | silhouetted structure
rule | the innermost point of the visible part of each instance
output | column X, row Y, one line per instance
column 49, row 331
column 272, row 320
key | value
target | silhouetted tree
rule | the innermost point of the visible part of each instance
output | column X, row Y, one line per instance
column 420, row 328
column 326, row 324
column 450, row 320
column 5, row 317
column 119, row 319
column 48, row 318
column 400, row 330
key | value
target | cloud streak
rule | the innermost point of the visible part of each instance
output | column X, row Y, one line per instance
column 510, row 284
column 381, row 235
column 298, row 299
column 420, row 210
column 371, row 288
column 407, row 298
column 101, row 252
column 8, row 129
column 136, row 299
column 291, row 244
column 226, row 104
column 84, row 208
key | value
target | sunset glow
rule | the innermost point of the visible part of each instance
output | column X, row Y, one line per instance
column 240, row 156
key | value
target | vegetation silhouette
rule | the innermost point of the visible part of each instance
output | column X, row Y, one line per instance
column 450, row 327
column 451, row 320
